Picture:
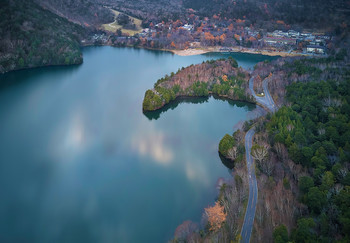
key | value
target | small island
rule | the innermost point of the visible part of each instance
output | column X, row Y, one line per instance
column 220, row 77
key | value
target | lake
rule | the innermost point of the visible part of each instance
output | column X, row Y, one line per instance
column 80, row 162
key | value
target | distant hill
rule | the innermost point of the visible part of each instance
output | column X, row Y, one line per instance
column 32, row 36
column 85, row 12
column 308, row 14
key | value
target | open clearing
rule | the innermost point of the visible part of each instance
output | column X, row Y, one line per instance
column 114, row 25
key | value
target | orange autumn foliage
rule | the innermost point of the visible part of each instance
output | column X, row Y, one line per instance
column 222, row 37
column 208, row 36
column 252, row 38
column 237, row 37
column 173, row 44
column 216, row 216
column 224, row 78
column 230, row 27
column 177, row 23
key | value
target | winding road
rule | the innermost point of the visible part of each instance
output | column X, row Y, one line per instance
column 268, row 103
column 266, row 100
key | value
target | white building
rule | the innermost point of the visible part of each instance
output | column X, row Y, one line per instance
column 315, row 49
column 188, row 27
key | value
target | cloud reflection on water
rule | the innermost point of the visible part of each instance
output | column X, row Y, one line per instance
column 195, row 171
column 71, row 136
column 151, row 142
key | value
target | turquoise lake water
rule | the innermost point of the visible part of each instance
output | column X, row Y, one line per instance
column 80, row 162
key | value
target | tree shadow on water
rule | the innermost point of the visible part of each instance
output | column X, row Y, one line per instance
column 172, row 105
column 227, row 162
column 155, row 115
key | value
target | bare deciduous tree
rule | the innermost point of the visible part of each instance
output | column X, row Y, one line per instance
column 260, row 153
column 321, row 131
column 267, row 167
column 343, row 172
column 232, row 153
column 232, row 206
column 281, row 151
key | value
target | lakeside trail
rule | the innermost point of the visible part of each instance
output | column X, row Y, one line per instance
column 248, row 223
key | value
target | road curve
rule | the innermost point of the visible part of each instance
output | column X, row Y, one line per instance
column 266, row 100
column 247, row 226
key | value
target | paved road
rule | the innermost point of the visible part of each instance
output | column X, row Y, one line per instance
column 253, row 190
column 247, row 226
column 272, row 106
column 267, row 100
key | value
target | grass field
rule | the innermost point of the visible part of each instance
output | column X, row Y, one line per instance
column 114, row 26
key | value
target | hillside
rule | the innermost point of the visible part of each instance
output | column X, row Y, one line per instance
column 84, row 12
column 148, row 10
column 309, row 141
column 302, row 158
column 264, row 13
column 32, row 36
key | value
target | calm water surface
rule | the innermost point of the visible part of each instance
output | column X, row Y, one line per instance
column 80, row 162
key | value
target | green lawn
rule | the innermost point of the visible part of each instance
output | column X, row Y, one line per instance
column 114, row 25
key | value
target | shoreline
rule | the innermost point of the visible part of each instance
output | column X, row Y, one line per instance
column 199, row 51
column 216, row 49
column 210, row 94
column 185, row 52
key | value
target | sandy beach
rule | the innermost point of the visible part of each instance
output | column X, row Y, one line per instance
column 190, row 52
column 199, row 51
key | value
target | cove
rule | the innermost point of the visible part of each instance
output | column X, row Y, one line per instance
column 80, row 162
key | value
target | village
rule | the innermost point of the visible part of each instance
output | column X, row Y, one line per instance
column 226, row 35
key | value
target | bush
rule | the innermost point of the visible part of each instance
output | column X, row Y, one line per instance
column 226, row 143
column 167, row 94
column 151, row 101
column 280, row 234
column 233, row 62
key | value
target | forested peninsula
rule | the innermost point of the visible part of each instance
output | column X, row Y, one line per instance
column 221, row 77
